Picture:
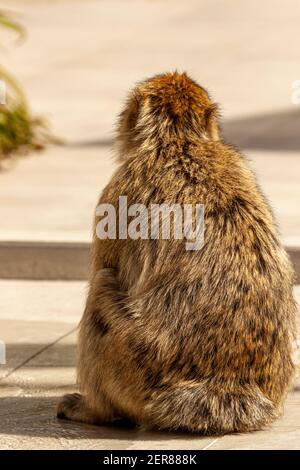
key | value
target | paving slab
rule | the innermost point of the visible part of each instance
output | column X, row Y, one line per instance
column 34, row 316
column 51, row 370
column 79, row 60
column 25, row 339
column 30, row 390
column 42, row 301
column 29, row 423
column 284, row 434
column 52, row 196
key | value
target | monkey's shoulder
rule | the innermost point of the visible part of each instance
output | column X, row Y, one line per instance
column 210, row 173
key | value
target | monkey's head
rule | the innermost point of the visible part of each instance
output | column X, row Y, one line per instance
column 166, row 109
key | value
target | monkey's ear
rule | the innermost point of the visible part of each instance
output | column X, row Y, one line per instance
column 211, row 122
column 131, row 112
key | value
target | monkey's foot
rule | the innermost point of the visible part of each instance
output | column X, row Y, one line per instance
column 67, row 405
column 72, row 407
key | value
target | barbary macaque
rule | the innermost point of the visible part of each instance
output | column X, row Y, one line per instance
column 195, row 340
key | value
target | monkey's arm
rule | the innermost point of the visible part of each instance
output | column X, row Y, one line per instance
column 106, row 304
column 111, row 310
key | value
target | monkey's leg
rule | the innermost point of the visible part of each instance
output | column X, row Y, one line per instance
column 96, row 347
column 74, row 407
column 107, row 328
column 208, row 406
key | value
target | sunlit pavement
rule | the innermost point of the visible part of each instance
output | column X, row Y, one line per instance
column 77, row 63
column 37, row 323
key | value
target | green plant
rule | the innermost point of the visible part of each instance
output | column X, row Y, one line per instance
column 20, row 132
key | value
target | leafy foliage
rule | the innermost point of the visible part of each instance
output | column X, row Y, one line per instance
column 20, row 132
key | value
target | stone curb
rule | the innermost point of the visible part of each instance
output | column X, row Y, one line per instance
column 63, row 260
column 44, row 260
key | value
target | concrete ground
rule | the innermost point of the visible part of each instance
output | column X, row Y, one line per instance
column 37, row 323
column 78, row 61
column 81, row 57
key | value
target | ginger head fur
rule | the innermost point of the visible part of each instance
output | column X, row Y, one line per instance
column 164, row 109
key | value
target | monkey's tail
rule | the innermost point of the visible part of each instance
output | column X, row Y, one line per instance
column 208, row 408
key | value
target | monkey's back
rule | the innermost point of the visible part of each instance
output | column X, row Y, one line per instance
column 224, row 313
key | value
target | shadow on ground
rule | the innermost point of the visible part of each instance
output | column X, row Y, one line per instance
column 273, row 131
column 43, row 355
column 35, row 416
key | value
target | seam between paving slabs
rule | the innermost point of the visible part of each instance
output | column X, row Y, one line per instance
column 210, row 444
column 33, row 356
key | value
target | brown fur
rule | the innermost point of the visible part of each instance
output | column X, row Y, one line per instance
column 176, row 339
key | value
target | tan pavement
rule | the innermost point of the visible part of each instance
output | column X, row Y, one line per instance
column 37, row 323
column 81, row 57
column 78, row 62
column 52, row 196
